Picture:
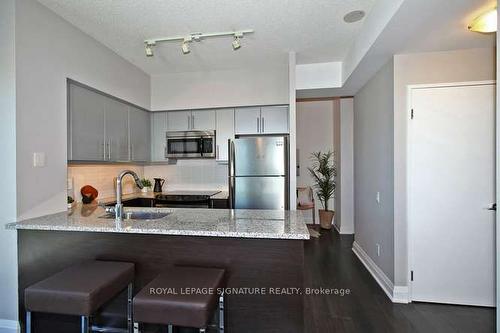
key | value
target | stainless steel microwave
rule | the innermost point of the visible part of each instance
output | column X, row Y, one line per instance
column 190, row 144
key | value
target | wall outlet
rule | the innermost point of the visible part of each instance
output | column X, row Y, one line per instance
column 38, row 160
column 377, row 197
column 378, row 249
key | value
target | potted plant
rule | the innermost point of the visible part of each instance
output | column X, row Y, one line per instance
column 147, row 185
column 323, row 171
column 71, row 202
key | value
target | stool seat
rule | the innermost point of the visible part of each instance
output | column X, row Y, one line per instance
column 80, row 289
column 165, row 300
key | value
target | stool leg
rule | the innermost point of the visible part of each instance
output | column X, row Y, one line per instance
column 85, row 324
column 136, row 327
column 170, row 328
column 28, row 321
column 221, row 313
column 130, row 294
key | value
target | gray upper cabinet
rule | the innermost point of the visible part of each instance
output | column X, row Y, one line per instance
column 116, row 130
column 247, row 120
column 158, row 136
column 140, row 128
column 203, row 120
column 86, row 125
column 261, row 120
column 179, row 120
column 274, row 119
column 224, row 132
column 199, row 120
column 104, row 129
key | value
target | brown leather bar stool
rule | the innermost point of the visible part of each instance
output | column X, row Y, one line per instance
column 182, row 296
column 81, row 290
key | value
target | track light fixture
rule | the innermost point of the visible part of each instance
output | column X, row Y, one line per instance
column 236, row 42
column 149, row 49
column 197, row 37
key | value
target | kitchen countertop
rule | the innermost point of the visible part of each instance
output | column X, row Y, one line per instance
column 223, row 195
column 238, row 223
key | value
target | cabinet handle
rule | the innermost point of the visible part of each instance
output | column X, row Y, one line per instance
column 104, row 150
column 189, row 122
column 258, row 125
column 192, row 122
column 263, row 130
column 109, row 149
column 217, row 153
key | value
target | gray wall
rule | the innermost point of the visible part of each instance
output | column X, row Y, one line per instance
column 48, row 50
column 373, row 168
column 8, row 258
column 424, row 68
column 212, row 89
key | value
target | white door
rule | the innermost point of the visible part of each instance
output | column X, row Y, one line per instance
column 224, row 132
column 247, row 120
column 203, row 120
column 179, row 120
column 274, row 119
column 451, row 185
column 158, row 136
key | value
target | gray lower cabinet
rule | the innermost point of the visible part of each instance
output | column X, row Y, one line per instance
column 140, row 128
column 85, row 125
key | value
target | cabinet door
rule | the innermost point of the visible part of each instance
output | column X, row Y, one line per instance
column 116, row 130
column 274, row 119
column 86, row 120
column 247, row 120
column 179, row 120
column 139, row 135
column 158, row 136
column 223, row 132
column 203, row 120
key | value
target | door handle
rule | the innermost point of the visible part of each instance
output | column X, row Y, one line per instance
column 493, row 207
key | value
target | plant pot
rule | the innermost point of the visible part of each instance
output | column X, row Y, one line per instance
column 326, row 218
column 145, row 189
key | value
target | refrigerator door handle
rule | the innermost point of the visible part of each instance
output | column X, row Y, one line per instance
column 230, row 147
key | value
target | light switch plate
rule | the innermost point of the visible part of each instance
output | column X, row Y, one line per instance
column 39, row 160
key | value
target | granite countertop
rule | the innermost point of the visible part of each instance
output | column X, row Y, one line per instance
column 237, row 223
column 151, row 195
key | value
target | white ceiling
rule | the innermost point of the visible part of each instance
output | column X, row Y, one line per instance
column 314, row 29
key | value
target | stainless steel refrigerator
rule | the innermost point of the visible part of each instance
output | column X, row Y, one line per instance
column 258, row 172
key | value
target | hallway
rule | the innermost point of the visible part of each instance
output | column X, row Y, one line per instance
column 330, row 263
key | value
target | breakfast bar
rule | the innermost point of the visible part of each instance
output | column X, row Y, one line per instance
column 261, row 251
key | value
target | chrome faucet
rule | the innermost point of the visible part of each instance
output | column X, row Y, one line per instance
column 119, row 205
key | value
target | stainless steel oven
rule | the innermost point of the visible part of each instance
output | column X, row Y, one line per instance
column 190, row 144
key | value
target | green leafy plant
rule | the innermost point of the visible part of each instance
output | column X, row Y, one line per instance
column 146, row 182
column 323, row 171
column 70, row 200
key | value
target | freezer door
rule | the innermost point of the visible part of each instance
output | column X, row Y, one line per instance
column 260, row 156
column 260, row 193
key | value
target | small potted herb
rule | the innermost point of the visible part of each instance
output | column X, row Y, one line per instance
column 147, row 185
column 323, row 172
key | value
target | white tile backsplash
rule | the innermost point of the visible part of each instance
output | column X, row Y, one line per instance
column 190, row 175
column 102, row 178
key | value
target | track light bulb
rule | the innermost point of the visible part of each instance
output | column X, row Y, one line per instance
column 185, row 47
column 149, row 50
column 236, row 43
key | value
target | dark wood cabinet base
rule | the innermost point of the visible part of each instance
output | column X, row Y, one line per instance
column 250, row 263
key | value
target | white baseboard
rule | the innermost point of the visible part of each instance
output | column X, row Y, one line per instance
column 9, row 326
column 397, row 294
column 340, row 231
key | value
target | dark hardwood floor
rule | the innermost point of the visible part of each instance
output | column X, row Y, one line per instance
column 331, row 263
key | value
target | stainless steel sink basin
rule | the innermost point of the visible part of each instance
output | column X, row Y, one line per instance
column 138, row 215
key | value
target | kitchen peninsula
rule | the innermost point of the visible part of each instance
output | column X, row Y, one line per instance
column 258, row 248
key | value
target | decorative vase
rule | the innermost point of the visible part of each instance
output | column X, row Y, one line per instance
column 326, row 218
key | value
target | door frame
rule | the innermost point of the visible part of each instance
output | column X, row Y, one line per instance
column 409, row 155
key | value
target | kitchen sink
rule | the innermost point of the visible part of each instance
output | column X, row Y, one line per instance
column 138, row 215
